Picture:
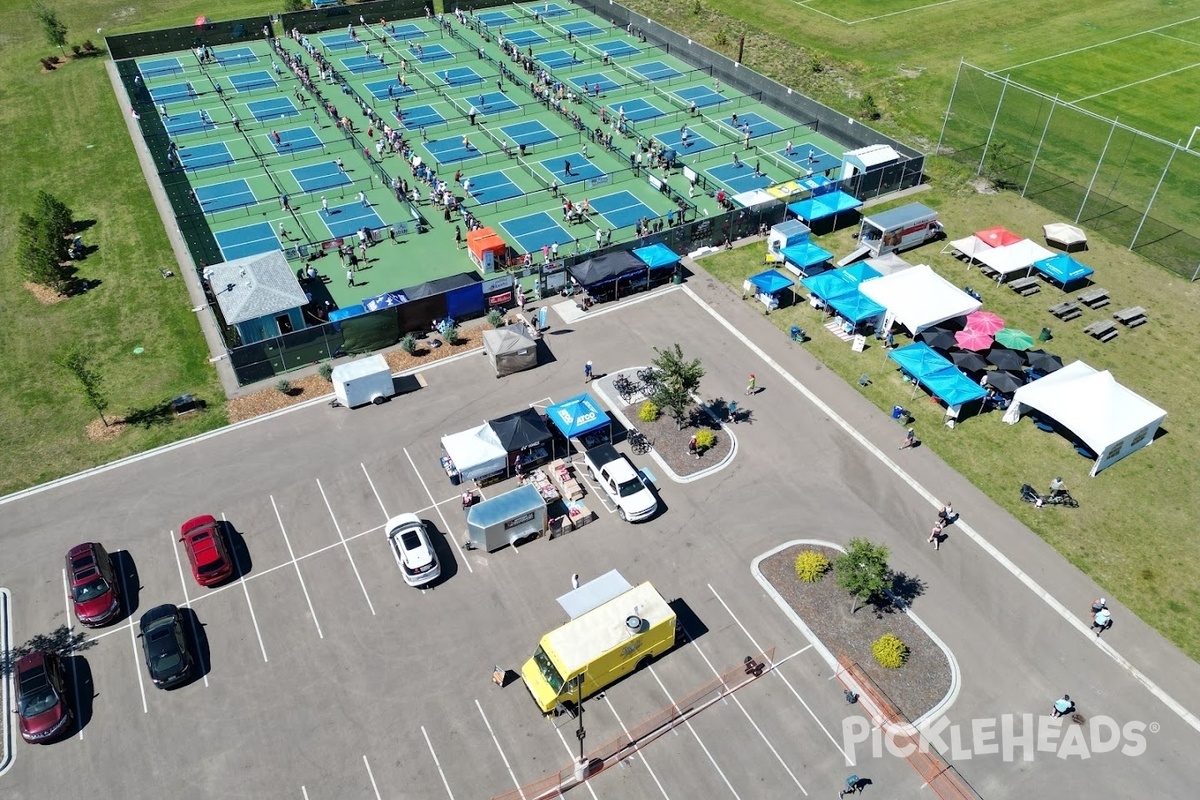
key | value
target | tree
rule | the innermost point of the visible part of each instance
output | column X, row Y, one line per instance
column 38, row 251
column 56, row 31
column 55, row 214
column 862, row 571
column 295, row 5
column 78, row 364
column 677, row 381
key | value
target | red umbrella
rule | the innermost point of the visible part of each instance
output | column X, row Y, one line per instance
column 972, row 339
column 201, row 21
column 984, row 321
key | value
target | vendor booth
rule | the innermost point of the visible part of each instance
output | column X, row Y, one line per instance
column 1063, row 270
column 476, row 455
column 944, row 381
column 487, row 250
column 1001, row 262
column 613, row 275
column 918, row 298
column 823, row 208
column 768, row 288
column 657, row 256
column 894, row 230
column 581, row 418
column 507, row 519
column 525, row 435
column 510, row 349
column 1108, row 418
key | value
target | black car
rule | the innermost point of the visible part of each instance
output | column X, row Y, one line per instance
column 167, row 658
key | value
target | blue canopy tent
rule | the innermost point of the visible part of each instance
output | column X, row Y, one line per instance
column 824, row 206
column 766, row 287
column 836, row 283
column 938, row 375
column 657, row 256
column 1062, row 269
column 802, row 257
column 579, row 416
column 918, row 359
column 862, row 271
column 855, row 306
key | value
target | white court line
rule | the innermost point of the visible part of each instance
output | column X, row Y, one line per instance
column 896, row 13
column 346, row 547
column 1098, row 44
column 934, row 501
column 137, row 666
column 374, row 491
column 782, row 677
column 699, row 741
column 499, row 749
column 371, row 775
column 187, row 604
column 71, row 652
column 296, row 563
column 1135, row 83
column 449, row 532
column 807, row 7
column 437, row 763
column 249, row 605
column 640, row 753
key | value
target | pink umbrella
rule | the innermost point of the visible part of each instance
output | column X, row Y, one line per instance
column 984, row 321
column 972, row 339
column 201, row 21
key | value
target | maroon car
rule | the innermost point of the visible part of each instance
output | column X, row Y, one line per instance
column 42, row 705
column 206, row 550
column 95, row 593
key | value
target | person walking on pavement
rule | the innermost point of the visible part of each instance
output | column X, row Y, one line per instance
column 1102, row 621
column 935, row 537
column 946, row 514
column 694, row 446
column 1062, row 706
column 587, row 372
column 575, row 580
column 910, row 439
column 752, row 387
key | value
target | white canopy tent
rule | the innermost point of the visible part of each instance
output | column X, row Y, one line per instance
column 1110, row 419
column 970, row 247
column 918, row 298
column 1002, row 261
column 476, row 453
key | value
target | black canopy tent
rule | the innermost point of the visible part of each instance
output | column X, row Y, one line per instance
column 524, row 433
column 605, row 274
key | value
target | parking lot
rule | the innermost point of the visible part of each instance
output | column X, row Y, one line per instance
column 326, row 676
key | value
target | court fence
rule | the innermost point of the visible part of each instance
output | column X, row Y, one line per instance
column 322, row 19
column 1132, row 188
column 186, row 37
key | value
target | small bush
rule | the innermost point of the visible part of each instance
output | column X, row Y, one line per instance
column 889, row 651
column 408, row 344
column 697, row 7
column 870, row 108
column 721, row 38
column 76, row 49
column 649, row 412
column 811, row 566
column 87, row 45
column 283, row 386
column 815, row 64
column 325, row 370
column 495, row 318
column 705, row 439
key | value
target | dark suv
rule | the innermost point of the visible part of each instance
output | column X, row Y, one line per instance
column 94, row 589
column 42, row 705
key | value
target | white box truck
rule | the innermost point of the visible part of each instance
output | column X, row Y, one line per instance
column 895, row 230
column 367, row 380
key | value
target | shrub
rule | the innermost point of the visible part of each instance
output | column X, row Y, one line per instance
column 495, row 318
column 408, row 343
column 87, row 45
column 721, row 38
column 811, row 566
column 76, row 49
column 870, row 108
column 325, row 370
column 283, row 386
column 705, row 439
column 448, row 330
column 649, row 412
column 697, row 7
column 889, row 651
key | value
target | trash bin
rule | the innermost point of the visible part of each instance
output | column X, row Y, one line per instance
column 1045, row 335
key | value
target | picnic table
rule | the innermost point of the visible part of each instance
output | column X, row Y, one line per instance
column 1094, row 298
column 1066, row 310
column 1131, row 317
column 1103, row 330
column 1025, row 286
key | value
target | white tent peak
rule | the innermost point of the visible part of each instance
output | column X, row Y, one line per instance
column 919, row 298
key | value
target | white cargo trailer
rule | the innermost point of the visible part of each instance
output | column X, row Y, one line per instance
column 367, row 380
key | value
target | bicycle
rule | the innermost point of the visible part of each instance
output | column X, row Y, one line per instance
column 649, row 378
column 625, row 387
column 638, row 442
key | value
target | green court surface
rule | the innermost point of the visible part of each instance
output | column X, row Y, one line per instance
column 512, row 167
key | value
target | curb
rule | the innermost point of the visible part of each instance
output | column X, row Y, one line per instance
column 7, row 749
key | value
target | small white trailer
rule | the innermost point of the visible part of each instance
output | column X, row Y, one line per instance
column 367, row 380
column 895, row 230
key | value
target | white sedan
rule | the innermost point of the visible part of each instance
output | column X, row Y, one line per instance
column 411, row 547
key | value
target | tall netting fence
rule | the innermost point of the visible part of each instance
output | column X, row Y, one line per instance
column 1130, row 187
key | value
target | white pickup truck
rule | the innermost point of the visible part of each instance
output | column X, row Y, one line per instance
column 618, row 479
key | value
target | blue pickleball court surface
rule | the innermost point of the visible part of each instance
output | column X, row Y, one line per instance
column 222, row 196
column 636, row 109
column 524, row 37
column 434, row 52
column 160, row 67
column 558, row 58
column 205, row 156
column 420, row 116
column 811, row 158
column 583, row 28
column 535, row 230
column 275, row 108
column 491, row 187
column 617, row 47
column 656, row 71
column 320, row 177
column 249, row 81
column 188, row 122
column 446, row 150
column 586, row 83
column 581, row 168
column 759, row 126
column 174, row 91
column 494, row 18
column 529, row 132
column 295, row 140
column 348, row 219
column 549, row 10
column 361, row 65
column 739, row 178
column 459, row 76
column 702, row 96
column 403, row 33
column 388, row 90
column 339, row 41
column 695, row 142
column 494, row 103
column 247, row 241
column 621, row 209
column 230, row 57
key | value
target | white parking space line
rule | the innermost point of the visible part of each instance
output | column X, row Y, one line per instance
column 71, row 652
column 642, row 752
column 446, row 525
column 304, row 792
column 750, row 719
column 188, row 604
column 374, row 491
column 499, row 749
column 371, row 775
column 249, row 605
column 296, row 564
column 437, row 763
column 782, row 677
column 571, row 755
column 137, row 667
column 346, row 547
column 695, row 735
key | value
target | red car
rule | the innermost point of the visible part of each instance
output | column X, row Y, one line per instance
column 42, row 706
column 95, row 592
column 206, row 550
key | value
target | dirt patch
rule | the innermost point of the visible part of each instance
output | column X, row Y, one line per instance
column 97, row 431
column 43, row 294
column 671, row 443
column 916, row 687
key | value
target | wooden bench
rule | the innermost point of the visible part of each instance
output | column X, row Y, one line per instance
column 1025, row 286
column 1131, row 317
column 1094, row 298
column 1066, row 310
column 1103, row 330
